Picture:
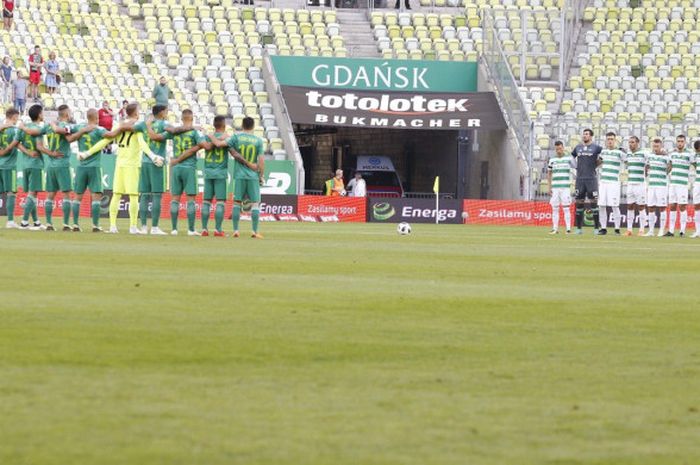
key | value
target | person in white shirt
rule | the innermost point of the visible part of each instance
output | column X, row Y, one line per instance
column 358, row 186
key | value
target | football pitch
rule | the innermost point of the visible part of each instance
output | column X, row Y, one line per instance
column 347, row 344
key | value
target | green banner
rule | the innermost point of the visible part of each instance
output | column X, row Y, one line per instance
column 376, row 74
column 280, row 175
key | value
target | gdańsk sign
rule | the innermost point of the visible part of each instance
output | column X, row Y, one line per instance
column 371, row 93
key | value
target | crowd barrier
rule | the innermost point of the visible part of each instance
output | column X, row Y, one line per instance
column 314, row 208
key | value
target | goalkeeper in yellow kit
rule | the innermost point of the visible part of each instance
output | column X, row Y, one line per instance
column 127, row 168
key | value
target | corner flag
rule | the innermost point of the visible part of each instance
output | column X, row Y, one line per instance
column 436, row 189
column 436, row 186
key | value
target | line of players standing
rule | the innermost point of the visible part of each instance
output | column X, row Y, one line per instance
column 655, row 180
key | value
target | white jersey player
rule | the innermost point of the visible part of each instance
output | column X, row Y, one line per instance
column 610, row 188
column 657, row 169
column 560, row 170
column 679, row 183
column 636, row 186
column 696, row 190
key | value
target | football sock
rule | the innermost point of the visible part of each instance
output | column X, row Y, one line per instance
column 579, row 217
column 642, row 219
column 567, row 217
column 630, row 218
column 236, row 216
column 662, row 221
column 191, row 215
column 555, row 218
column 48, row 208
column 206, row 209
column 684, row 220
column 34, row 212
column 174, row 210
column 155, row 209
column 76, row 211
column 672, row 222
column 255, row 216
column 10, row 207
column 616, row 217
column 697, row 219
column 143, row 208
column 596, row 216
column 603, row 217
column 28, row 208
column 219, row 215
column 66, row 205
column 652, row 220
column 133, row 210
column 114, row 210
column 95, row 212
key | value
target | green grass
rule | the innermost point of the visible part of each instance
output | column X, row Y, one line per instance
column 346, row 344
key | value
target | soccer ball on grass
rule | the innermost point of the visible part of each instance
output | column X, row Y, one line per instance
column 404, row 229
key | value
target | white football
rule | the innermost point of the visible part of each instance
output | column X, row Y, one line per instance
column 404, row 229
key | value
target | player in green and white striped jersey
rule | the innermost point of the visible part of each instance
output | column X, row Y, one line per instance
column 696, row 190
column 681, row 160
column 560, row 170
column 609, row 191
column 636, row 187
column 657, row 168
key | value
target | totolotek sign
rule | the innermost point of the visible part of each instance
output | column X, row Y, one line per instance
column 398, row 94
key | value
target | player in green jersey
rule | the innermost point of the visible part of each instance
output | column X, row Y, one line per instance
column 679, row 184
column 215, row 178
column 152, row 182
column 184, row 172
column 559, row 173
column 696, row 190
column 88, row 174
column 636, row 188
column 657, row 168
column 247, row 151
column 31, row 144
column 609, row 191
column 8, row 163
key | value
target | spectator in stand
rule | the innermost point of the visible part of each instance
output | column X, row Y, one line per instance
column 398, row 4
column 8, row 12
column 105, row 119
column 6, row 70
column 358, row 186
column 19, row 89
column 53, row 77
column 161, row 92
column 335, row 186
column 122, row 110
column 36, row 63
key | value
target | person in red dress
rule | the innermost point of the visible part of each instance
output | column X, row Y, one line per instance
column 8, row 12
column 105, row 119
column 36, row 63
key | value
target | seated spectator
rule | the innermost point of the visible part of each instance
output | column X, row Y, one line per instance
column 6, row 70
column 53, row 77
column 19, row 89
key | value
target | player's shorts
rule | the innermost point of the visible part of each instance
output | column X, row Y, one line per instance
column 609, row 195
column 152, row 179
column 88, row 177
column 636, row 194
column 58, row 179
column 126, row 180
column 32, row 180
column 657, row 196
column 184, row 179
column 560, row 196
column 678, row 194
column 214, row 189
column 8, row 181
column 35, row 77
column 246, row 188
column 586, row 189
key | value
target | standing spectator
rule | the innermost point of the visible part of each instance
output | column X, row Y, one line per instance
column 122, row 110
column 53, row 78
column 36, row 63
column 19, row 89
column 8, row 12
column 161, row 92
column 335, row 185
column 358, row 186
column 105, row 119
column 398, row 4
column 6, row 79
